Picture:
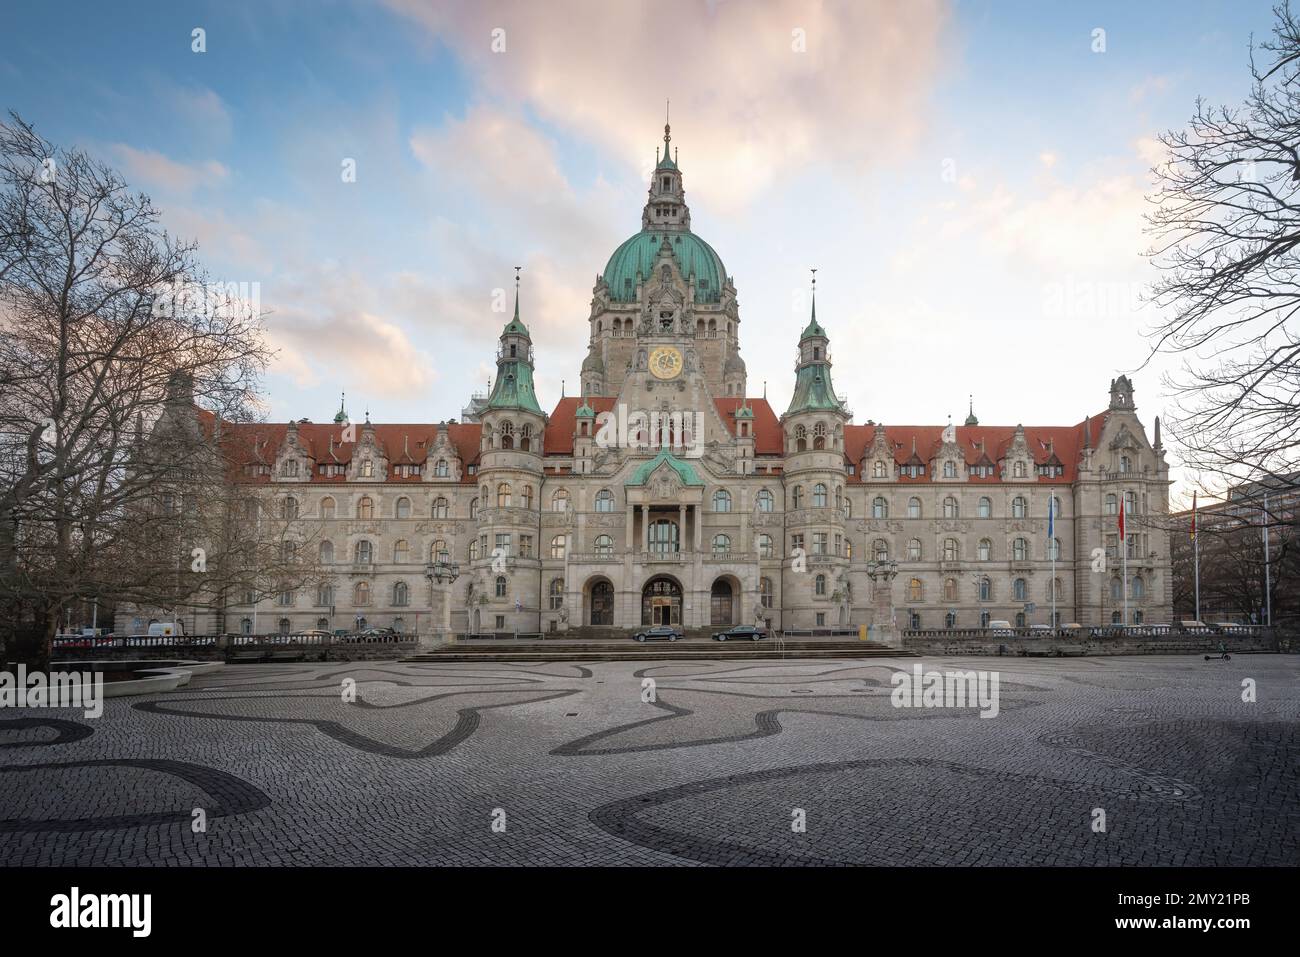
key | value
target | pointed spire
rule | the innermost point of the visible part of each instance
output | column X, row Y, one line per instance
column 813, row 329
column 341, row 416
column 970, row 417
column 517, row 268
column 668, row 130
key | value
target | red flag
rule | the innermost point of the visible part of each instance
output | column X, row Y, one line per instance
column 1193, row 516
column 1121, row 521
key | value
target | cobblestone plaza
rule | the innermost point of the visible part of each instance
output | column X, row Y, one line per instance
column 491, row 763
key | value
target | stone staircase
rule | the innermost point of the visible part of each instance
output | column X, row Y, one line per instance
column 697, row 645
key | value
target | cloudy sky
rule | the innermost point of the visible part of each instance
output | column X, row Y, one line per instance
column 969, row 178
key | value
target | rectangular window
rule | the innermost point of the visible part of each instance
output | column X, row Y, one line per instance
column 525, row 546
column 796, row 541
column 821, row 619
column 501, row 622
column 819, row 543
column 503, row 543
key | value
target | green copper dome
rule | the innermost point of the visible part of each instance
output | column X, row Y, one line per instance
column 694, row 257
column 813, row 391
column 514, row 388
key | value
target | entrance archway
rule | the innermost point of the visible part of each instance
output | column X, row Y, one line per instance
column 722, row 603
column 661, row 602
column 600, row 604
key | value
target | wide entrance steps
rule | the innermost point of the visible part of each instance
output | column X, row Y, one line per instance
column 691, row 648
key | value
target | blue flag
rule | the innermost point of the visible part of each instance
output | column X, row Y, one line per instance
column 1051, row 515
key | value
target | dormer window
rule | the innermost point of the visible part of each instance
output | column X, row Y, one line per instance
column 667, row 183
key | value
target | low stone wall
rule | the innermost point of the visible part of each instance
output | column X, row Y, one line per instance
column 339, row 651
column 1067, row 647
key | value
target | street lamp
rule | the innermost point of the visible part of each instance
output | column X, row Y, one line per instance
column 882, row 574
column 443, row 573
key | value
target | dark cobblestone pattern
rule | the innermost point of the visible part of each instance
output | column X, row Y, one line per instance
column 65, row 732
column 219, row 794
column 467, row 719
column 584, row 772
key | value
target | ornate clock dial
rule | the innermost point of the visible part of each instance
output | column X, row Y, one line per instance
column 665, row 362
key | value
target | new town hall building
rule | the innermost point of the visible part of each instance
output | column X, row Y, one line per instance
column 663, row 493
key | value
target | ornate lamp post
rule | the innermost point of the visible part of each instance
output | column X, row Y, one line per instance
column 882, row 575
column 443, row 573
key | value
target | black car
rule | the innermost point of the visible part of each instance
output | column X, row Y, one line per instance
column 741, row 631
column 659, row 633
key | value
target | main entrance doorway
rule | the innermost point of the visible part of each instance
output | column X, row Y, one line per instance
column 720, row 603
column 602, row 603
column 661, row 602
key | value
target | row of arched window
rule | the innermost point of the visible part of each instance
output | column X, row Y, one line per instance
column 951, row 507
column 505, row 436
column 365, row 508
column 821, row 437
column 915, row 589
column 366, row 469
column 627, row 328
column 820, row 497
column 1021, row 551
column 363, row 552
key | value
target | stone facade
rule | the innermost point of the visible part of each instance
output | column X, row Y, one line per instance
column 663, row 491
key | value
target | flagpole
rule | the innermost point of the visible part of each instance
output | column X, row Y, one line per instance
column 1051, row 547
column 1123, row 544
column 1268, row 572
column 1196, row 558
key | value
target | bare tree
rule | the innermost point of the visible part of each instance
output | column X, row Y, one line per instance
column 118, row 362
column 1226, row 226
column 1233, row 569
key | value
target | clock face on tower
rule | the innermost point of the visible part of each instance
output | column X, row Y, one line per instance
column 665, row 362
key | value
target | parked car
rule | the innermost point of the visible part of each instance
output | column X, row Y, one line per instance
column 1001, row 629
column 740, row 631
column 659, row 633
column 1040, row 631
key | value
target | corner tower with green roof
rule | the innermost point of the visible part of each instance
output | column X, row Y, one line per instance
column 514, row 385
column 507, row 562
column 813, row 389
column 819, row 549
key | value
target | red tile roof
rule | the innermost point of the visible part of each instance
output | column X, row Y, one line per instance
column 253, row 443
column 767, row 427
column 1065, row 442
column 260, row 442
column 560, row 426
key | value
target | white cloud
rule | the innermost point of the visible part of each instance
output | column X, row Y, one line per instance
column 149, row 168
column 853, row 95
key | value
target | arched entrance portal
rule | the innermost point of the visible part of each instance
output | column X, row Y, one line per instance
column 721, row 603
column 661, row 602
column 602, row 603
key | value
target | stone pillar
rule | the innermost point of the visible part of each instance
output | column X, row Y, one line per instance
column 645, row 528
column 681, row 527
column 699, row 529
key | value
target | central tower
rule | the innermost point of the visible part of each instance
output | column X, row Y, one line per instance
column 664, row 286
